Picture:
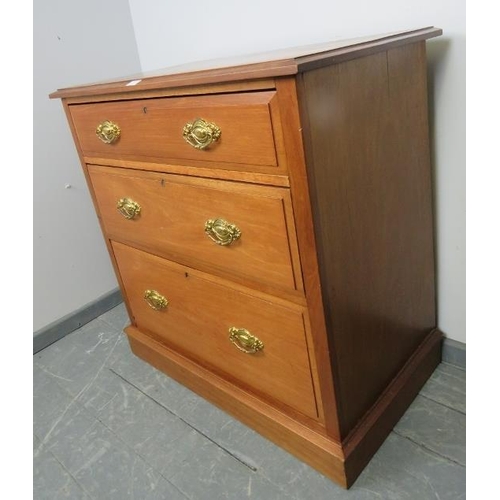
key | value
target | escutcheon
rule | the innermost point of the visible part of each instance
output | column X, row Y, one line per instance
column 155, row 300
column 245, row 341
column 128, row 208
column 201, row 134
column 108, row 132
column 221, row 231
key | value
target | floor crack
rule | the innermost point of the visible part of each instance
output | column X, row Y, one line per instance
column 442, row 404
column 117, row 436
column 76, row 398
column 426, row 448
column 251, row 467
column 70, row 474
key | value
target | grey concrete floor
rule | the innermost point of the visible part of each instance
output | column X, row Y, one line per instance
column 109, row 426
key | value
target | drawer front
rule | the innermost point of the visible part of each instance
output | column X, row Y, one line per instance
column 236, row 128
column 248, row 235
column 197, row 320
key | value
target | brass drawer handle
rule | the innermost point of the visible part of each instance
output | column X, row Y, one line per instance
column 128, row 208
column 221, row 231
column 108, row 132
column 155, row 300
column 245, row 341
column 200, row 133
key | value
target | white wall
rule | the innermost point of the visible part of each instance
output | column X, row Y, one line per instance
column 170, row 33
column 74, row 42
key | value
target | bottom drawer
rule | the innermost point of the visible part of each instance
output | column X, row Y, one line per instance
column 256, row 343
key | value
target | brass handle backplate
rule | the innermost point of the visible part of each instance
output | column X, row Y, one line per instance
column 155, row 300
column 128, row 208
column 221, row 231
column 108, row 132
column 245, row 341
column 200, row 133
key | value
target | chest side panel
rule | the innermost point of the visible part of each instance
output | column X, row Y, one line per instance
column 369, row 169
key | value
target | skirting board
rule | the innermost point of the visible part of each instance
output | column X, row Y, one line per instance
column 71, row 322
column 454, row 353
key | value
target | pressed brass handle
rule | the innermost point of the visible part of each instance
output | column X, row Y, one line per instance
column 200, row 133
column 155, row 300
column 108, row 132
column 245, row 341
column 128, row 208
column 221, row 231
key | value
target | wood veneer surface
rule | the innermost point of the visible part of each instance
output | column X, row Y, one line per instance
column 347, row 125
column 254, row 66
column 369, row 166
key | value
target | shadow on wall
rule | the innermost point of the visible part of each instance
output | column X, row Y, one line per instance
column 436, row 54
column 436, row 62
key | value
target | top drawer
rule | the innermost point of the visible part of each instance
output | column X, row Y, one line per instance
column 231, row 128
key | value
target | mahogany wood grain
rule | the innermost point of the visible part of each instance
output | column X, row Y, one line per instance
column 299, row 439
column 318, row 342
column 342, row 54
column 369, row 434
column 197, row 320
column 153, row 128
column 238, row 172
column 324, row 165
column 369, row 173
column 254, row 66
column 214, row 88
column 174, row 210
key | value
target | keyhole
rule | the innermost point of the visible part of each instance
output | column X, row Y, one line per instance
column 145, row 110
column 186, row 275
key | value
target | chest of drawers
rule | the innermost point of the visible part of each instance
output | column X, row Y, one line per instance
column 270, row 225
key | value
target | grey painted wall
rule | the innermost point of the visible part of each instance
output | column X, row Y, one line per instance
column 74, row 42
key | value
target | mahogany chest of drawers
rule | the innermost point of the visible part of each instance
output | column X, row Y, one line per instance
column 270, row 224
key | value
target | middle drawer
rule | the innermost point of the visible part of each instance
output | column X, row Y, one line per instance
column 231, row 228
